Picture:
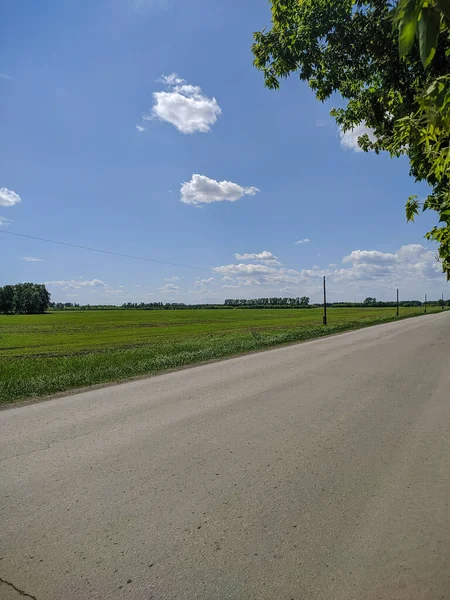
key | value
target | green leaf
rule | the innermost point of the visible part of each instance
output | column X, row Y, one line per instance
column 412, row 208
column 407, row 26
column 429, row 25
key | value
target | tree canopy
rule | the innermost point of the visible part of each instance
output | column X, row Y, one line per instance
column 390, row 61
column 24, row 298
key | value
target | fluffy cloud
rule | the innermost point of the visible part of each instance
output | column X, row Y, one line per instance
column 370, row 257
column 31, row 259
column 76, row 284
column 203, row 190
column 349, row 139
column 264, row 256
column 184, row 106
column 8, row 197
column 140, row 128
column 303, row 241
column 244, row 269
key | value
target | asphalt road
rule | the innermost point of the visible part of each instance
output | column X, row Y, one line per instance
column 316, row 471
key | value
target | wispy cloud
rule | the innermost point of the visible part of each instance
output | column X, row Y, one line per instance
column 76, row 284
column 170, row 288
column 140, row 128
column 4, row 222
column 5, row 76
column 31, row 259
column 303, row 241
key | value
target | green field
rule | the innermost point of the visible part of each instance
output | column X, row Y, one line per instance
column 51, row 353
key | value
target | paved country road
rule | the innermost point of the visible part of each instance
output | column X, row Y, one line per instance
column 315, row 471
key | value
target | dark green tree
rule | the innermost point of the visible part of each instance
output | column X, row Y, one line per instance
column 351, row 47
column 7, row 299
column 24, row 298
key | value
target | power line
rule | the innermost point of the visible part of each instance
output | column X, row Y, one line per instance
column 152, row 260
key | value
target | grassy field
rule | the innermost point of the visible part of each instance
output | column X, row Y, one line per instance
column 47, row 354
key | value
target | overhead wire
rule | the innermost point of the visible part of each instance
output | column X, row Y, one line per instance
column 110, row 252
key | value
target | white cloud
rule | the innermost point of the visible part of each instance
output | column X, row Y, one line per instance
column 4, row 221
column 203, row 190
column 31, row 259
column 184, row 106
column 170, row 288
column 244, row 269
column 264, row 256
column 5, row 76
column 8, row 197
column 369, row 256
column 76, row 284
column 140, row 128
column 303, row 241
column 349, row 139
column 410, row 265
column 203, row 282
column 412, row 268
column 172, row 79
column 172, row 279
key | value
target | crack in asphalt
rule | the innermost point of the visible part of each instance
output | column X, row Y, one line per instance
column 19, row 591
column 47, row 447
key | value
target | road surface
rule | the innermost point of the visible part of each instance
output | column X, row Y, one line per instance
column 315, row 471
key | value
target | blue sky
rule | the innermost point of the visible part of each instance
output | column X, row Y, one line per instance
column 141, row 127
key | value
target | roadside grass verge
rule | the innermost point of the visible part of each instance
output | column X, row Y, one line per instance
column 38, row 375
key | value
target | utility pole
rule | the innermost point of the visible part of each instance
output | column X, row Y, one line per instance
column 425, row 304
column 442, row 301
column 397, row 304
column 324, row 301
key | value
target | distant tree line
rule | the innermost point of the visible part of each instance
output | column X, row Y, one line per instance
column 302, row 302
column 24, row 299
column 373, row 302
column 32, row 298
column 243, row 303
column 131, row 306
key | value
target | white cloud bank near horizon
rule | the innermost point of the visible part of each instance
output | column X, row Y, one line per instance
column 412, row 268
